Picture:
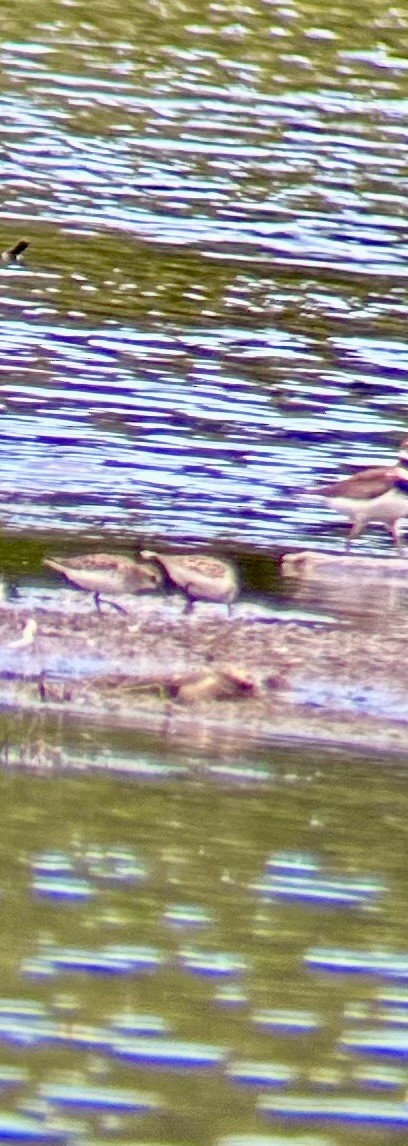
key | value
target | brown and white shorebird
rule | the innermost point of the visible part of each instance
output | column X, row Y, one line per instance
column 107, row 573
column 202, row 578
column 379, row 493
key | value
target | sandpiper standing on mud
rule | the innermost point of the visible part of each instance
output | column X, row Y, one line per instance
column 107, row 573
column 201, row 577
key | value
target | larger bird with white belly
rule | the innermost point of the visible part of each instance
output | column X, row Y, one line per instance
column 378, row 494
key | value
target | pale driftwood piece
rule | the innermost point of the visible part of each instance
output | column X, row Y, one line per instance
column 309, row 566
column 216, row 684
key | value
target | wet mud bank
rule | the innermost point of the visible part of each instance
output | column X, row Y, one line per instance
column 247, row 679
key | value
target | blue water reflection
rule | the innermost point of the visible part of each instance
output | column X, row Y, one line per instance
column 111, row 1012
column 212, row 311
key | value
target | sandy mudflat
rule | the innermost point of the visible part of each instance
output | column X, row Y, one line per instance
column 328, row 682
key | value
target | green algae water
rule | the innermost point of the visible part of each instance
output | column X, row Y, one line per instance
column 192, row 945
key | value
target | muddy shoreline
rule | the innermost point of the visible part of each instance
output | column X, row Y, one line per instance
column 311, row 681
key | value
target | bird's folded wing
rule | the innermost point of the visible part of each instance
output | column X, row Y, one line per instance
column 363, row 484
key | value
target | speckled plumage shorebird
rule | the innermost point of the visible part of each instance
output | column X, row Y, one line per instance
column 107, row 573
column 379, row 493
column 201, row 578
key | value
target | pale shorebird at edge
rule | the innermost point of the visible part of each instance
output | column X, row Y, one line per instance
column 378, row 494
column 108, row 574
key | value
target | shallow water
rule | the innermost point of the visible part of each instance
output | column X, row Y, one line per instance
column 212, row 313
column 186, row 937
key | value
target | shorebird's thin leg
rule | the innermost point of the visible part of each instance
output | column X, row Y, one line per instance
column 113, row 604
column 188, row 608
column 397, row 535
column 355, row 531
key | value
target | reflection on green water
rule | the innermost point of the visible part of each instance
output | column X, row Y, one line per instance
column 165, row 870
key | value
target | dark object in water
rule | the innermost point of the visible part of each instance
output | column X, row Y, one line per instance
column 13, row 255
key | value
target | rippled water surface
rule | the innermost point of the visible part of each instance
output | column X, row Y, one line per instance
column 197, row 948
column 213, row 307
